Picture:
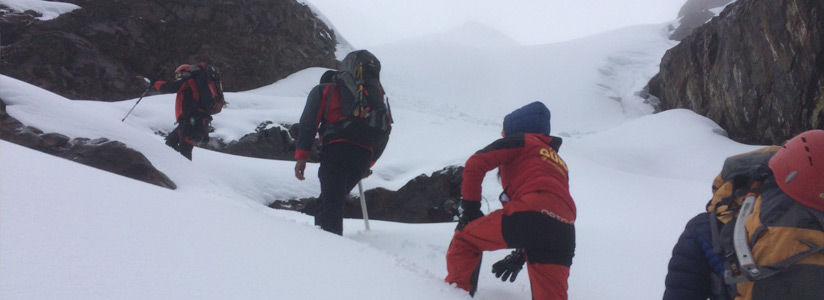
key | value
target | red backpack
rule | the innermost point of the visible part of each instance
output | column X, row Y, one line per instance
column 209, row 87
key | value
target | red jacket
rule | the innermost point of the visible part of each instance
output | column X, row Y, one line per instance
column 529, row 163
column 317, row 116
column 187, row 96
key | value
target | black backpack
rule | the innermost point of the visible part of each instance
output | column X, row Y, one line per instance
column 366, row 118
column 209, row 88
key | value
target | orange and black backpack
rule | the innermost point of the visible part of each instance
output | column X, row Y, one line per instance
column 209, row 88
column 772, row 246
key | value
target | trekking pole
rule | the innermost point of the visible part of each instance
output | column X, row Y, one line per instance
column 363, row 206
column 138, row 100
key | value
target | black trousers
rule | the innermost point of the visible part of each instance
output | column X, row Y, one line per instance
column 188, row 133
column 342, row 166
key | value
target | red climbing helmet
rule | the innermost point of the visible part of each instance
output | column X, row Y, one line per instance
column 799, row 168
column 182, row 71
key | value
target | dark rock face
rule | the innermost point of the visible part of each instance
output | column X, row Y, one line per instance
column 425, row 199
column 268, row 142
column 102, row 51
column 757, row 70
column 112, row 156
column 693, row 14
column 115, row 157
column 695, row 6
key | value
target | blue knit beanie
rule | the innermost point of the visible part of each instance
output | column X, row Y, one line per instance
column 532, row 118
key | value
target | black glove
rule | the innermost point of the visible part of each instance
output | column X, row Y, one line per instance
column 470, row 210
column 509, row 266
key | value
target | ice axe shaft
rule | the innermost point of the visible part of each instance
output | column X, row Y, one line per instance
column 363, row 206
column 138, row 101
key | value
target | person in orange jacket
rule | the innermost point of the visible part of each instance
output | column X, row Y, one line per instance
column 538, row 212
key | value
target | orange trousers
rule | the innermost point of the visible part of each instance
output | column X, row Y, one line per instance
column 548, row 242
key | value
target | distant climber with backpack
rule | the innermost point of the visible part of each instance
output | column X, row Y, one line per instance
column 199, row 96
column 353, row 120
column 538, row 212
column 762, row 236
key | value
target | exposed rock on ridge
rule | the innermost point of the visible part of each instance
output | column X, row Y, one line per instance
column 757, row 70
column 425, row 199
column 100, row 51
column 269, row 141
column 111, row 156
column 693, row 14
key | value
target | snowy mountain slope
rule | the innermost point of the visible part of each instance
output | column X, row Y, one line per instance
column 370, row 23
column 117, row 238
column 48, row 9
column 71, row 232
column 501, row 76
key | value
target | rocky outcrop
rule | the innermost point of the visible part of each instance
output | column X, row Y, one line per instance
column 757, row 70
column 103, row 50
column 269, row 141
column 425, row 199
column 112, row 156
column 693, row 14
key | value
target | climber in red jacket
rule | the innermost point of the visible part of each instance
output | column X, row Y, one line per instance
column 538, row 212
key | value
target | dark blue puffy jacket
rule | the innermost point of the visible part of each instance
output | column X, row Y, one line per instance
column 693, row 262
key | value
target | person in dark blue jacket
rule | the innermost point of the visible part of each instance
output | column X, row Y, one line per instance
column 696, row 269
column 693, row 265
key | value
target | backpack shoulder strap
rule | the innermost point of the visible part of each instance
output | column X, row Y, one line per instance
column 819, row 215
column 388, row 107
column 329, row 92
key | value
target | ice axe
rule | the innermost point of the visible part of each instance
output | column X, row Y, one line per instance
column 138, row 100
column 363, row 206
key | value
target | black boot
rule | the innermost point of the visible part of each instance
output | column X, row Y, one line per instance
column 173, row 139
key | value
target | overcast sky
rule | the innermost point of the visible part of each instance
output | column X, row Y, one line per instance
column 525, row 21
